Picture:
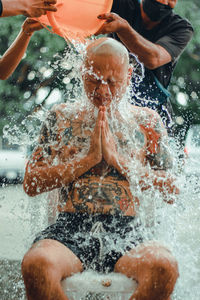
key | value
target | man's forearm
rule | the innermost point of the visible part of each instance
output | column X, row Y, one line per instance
column 160, row 180
column 30, row 8
column 150, row 54
column 13, row 7
column 121, row 165
column 43, row 179
column 13, row 55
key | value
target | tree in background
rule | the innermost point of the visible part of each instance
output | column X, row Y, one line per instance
column 185, row 84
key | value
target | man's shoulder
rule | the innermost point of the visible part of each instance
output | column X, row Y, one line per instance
column 65, row 110
column 176, row 21
column 144, row 113
column 61, row 107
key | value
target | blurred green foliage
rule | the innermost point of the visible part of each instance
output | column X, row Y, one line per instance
column 186, row 77
column 41, row 68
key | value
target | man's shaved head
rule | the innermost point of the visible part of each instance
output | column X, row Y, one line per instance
column 107, row 47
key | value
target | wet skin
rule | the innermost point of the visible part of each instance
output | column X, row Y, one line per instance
column 79, row 154
column 102, row 188
column 103, row 185
column 104, row 83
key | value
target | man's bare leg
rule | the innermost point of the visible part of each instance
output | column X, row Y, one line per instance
column 43, row 268
column 153, row 267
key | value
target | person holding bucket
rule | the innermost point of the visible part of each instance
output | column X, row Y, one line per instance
column 28, row 8
column 157, row 36
column 31, row 8
column 89, row 160
column 12, row 57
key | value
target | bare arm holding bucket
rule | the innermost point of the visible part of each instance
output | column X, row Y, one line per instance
column 29, row 8
column 12, row 57
column 135, row 23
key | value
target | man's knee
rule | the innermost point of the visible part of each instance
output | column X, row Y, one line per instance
column 154, row 267
column 36, row 266
column 40, row 274
column 164, row 262
column 165, row 268
column 162, row 275
column 160, row 262
column 49, row 258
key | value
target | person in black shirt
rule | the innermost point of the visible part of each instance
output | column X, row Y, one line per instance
column 157, row 36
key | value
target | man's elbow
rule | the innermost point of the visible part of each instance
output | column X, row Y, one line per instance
column 156, row 60
column 153, row 63
column 30, row 188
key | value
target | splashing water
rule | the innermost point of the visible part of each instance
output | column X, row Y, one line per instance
column 175, row 225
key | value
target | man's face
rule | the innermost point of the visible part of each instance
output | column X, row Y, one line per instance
column 157, row 10
column 105, row 78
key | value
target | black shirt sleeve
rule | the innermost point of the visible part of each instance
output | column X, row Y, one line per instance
column 176, row 40
column 1, row 8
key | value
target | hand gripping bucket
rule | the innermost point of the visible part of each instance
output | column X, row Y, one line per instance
column 76, row 19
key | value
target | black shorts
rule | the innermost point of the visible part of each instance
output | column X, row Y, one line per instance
column 98, row 240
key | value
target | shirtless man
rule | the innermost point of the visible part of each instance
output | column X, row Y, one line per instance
column 89, row 160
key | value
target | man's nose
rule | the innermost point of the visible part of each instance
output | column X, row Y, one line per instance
column 103, row 89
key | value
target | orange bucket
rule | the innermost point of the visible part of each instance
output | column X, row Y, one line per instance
column 76, row 19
